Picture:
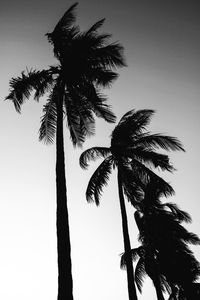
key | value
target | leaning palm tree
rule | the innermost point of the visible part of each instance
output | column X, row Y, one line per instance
column 132, row 152
column 85, row 64
column 164, row 254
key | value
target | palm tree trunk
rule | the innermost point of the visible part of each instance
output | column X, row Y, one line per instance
column 65, row 284
column 127, row 246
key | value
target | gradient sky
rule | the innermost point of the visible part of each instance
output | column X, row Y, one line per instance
column 162, row 46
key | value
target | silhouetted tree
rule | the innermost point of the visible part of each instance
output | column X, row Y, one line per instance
column 132, row 152
column 147, row 264
column 85, row 64
column 146, row 253
column 164, row 255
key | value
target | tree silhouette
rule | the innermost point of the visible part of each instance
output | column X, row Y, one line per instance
column 164, row 254
column 85, row 64
column 132, row 152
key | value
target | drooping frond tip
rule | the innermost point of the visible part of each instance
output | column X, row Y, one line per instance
column 99, row 180
column 65, row 22
column 48, row 121
column 95, row 26
column 22, row 86
column 92, row 154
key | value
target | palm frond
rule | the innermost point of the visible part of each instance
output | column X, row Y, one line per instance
column 92, row 42
column 133, row 187
column 21, row 87
column 110, row 56
column 98, row 51
column 98, row 180
column 102, row 77
column 156, row 185
column 98, row 105
column 190, row 237
column 64, row 33
column 48, row 121
column 44, row 84
column 65, row 22
column 80, row 120
column 131, row 124
column 141, row 117
column 95, row 27
column 179, row 214
column 165, row 286
column 165, row 142
column 103, row 110
column 140, row 273
column 135, row 254
column 92, row 154
column 150, row 158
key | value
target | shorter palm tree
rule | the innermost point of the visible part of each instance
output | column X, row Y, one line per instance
column 147, row 264
column 132, row 152
column 164, row 254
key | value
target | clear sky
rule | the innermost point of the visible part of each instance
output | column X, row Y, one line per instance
column 162, row 46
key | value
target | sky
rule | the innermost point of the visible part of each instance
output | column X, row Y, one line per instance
column 161, row 45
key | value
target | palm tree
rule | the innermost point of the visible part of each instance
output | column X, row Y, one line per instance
column 164, row 254
column 147, row 264
column 146, row 253
column 132, row 152
column 85, row 64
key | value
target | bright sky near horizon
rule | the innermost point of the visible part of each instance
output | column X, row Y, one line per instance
column 162, row 46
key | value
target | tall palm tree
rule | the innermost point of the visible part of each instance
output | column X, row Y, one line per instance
column 132, row 152
column 85, row 64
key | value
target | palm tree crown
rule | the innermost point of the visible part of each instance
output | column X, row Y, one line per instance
column 85, row 64
column 132, row 150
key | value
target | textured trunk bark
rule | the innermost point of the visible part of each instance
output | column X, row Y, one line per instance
column 65, row 284
column 127, row 246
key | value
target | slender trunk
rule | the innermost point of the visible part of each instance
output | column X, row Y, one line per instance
column 65, row 284
column 127, row 246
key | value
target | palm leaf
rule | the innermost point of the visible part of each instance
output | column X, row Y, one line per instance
column 151, row 158
column 92, row 42
column 65, row 22
column 95, row 27
column 98, row 180
column 48, row 121
column 110, row 56
column 21, row 87
column 156, row 185
column 135, row 254
column 80, row 119
column 131, row 124
column 189, row 237
column 180, row 214
column 102, row 77
column 92, row 154
column 64, row 33
column 98, row 51
column 98, row 105
column 132, row 185
column 160, row 141
column 140, row 273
